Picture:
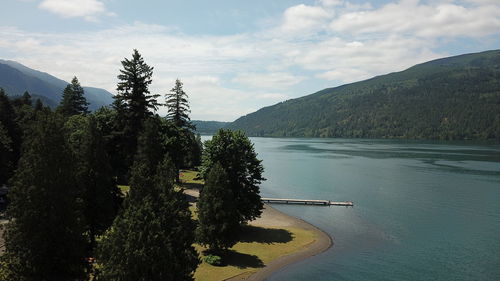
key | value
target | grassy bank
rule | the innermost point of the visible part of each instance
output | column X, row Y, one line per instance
column 258, row 244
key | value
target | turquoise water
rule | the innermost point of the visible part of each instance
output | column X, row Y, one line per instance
column 423, row 210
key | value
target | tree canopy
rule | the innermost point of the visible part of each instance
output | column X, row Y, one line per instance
column 73, row 100
column 237, row 156
column 152, row 237
column 44, row 237
column 218, row 220
column 178, row 106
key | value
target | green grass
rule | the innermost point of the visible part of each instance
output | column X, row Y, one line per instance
column 124, row 189
column 249, row 255
column 257, row 247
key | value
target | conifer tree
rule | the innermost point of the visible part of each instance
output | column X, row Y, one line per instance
column 218, row 221
column 38, row 105
column 235, row 152
column 134, row 104
column 73, row 101
column 43, row 239
column 133, row 95
column 152, row 238
column 26, row 98
column 99, row 193
column 12, row 136
column 178, row 106
column 6, row 157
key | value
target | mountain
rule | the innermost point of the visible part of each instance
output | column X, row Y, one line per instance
column 16, row 78
column 208, row 127
column 450, row 98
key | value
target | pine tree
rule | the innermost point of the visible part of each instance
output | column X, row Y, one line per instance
column 133, row 89
column 178, row 106
column 152, row 238
column 12, row 136
column 99, row 193
column 235, row 152
column 218, row 221
column 38, row 105
column 73, row 101
column 6, row 155
column 133, row 104
column 43, row 239
column 26, row 99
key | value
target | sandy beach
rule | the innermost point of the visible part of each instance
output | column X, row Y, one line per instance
column 274, row 218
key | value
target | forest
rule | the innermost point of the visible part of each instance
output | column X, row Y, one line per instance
column 67, row 218
column 456, row 98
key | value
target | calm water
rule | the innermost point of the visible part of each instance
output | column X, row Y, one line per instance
column 423, row 210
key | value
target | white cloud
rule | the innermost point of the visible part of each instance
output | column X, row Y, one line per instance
column 410, row 17
column 303, row 18
column 88, row 9
column 331, row 3
column 274, row 80
column 227, row 76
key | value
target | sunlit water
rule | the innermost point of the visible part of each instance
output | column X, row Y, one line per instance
column 423, row 210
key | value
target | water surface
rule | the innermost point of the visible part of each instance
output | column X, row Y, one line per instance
column 423, row 210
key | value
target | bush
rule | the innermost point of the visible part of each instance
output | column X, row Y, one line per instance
column 213, row 260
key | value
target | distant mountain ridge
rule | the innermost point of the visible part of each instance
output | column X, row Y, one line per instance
column 208, row 127
column 16, row 78
column 450, row 98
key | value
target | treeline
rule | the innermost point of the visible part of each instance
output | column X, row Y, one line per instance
column 67, row 219
column 449, row 99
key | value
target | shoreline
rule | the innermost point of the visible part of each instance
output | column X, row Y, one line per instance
column 271, row 217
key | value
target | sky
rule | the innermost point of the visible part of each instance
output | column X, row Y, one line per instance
column 237, row 56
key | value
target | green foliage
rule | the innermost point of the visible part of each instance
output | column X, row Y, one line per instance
column 11, row 138
column 218, row 220
column 234, row 151
column 43, row 240
column 208, row 127
column 16, row 79
column 133, row 89
column 6, row 155
column 452, row 98
column 98, row 191
column 133, row 104
column 178, row 106
column 151, row 239
column 213, row 260
column 73, row 101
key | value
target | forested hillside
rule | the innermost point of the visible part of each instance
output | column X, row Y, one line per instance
column 16, row 78
column 450, row 98
column 208, row 127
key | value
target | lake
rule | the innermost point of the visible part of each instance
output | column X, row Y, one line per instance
column 423, row 210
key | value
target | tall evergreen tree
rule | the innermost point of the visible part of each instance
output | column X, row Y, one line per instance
column 98, row 191
column 133, row 89
column 12, row 136
column 218, row 221
column 152, row 238
column 134, row 103
column 26, row 99
column 178, row 106
column 43, row 239
column 6, row 155
column 73, row 101
column 235, row 152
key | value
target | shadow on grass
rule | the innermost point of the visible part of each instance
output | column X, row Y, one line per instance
column 240, row 260
column 257, row 234
column 191, row 185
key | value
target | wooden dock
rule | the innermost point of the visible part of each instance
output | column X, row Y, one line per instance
column 307, row 202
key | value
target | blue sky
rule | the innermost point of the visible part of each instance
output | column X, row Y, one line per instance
column 235, row 57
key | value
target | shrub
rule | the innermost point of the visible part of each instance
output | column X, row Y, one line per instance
column 213, row 260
